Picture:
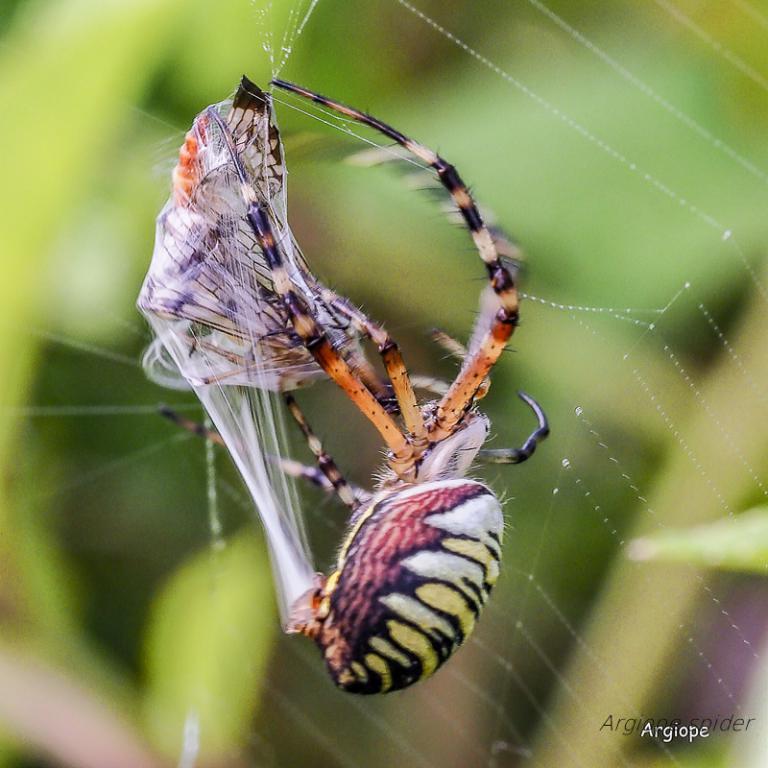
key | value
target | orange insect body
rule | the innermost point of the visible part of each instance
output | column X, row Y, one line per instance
column 185, row 172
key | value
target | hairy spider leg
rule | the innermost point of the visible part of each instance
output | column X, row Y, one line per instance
column 324, row 461
column 519, row 455
column 361, row 364
column 314, row 475
column 402, row 455
column 396, row 369
column 461, row 394
column 430, row 384
column 456, row 349
column 317, row 343
column 393, row 363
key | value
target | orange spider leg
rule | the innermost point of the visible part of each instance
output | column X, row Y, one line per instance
column 402, row 457
column 359, row 363
column 393, row 363
column 317, row 343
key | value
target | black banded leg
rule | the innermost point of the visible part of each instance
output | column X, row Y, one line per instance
column 519, row 455
column 478, row 365
column 486, row 244
column 325, row 463
column 289, row 467
column 402, row 457
column 190, row 425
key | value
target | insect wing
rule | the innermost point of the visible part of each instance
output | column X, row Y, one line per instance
column 208, row 275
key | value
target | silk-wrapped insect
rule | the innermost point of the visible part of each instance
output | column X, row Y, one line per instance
column 239, row 316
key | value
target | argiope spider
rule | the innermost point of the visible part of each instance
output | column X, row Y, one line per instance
column 422, row 551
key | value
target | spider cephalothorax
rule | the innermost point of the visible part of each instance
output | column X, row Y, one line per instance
column 236, row 304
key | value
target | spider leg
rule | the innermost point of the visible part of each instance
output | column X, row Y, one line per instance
column 359, row 362
column 456, row 349
column 402, row 458
column 393, row 363
column 316, row 341
column 324, row 461
column 519, row 455
column 190, row 425
column 314, row 475
column 452, row 346
column 484, row 356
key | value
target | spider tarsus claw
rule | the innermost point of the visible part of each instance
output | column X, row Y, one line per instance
column 543, row 429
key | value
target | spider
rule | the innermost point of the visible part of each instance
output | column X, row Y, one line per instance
column 421, row 552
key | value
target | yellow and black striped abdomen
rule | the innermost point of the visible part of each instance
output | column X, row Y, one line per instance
column 413, row 573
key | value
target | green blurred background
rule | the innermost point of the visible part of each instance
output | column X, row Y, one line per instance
column 620, row 155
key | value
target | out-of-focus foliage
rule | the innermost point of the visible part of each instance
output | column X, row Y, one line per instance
column 206, row 658
column 162, row 648
column 738, row 543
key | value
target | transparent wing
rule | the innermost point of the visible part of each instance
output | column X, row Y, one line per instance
column 208, row 272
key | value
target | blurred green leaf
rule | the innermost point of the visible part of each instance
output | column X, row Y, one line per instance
column 67, row 99
column 208, row 642
column 73, row 99
column 697, row 757
column 734, row 543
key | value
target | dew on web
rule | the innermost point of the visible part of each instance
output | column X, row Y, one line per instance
column 297, row 18
column 299, row 22
column 599, row 663
column 659, row 523
column 724, row 433
column 761, row 392
column 716, row 676
column 617, row 313
column 655, row 399
column 632, row 78
column 721, row 50
column 585, row 648
column 651, row 337
column 725, row 233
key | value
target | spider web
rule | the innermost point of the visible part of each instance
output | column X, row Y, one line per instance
column 576, row 630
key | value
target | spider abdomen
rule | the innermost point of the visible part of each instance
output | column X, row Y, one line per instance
column 412, row 575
